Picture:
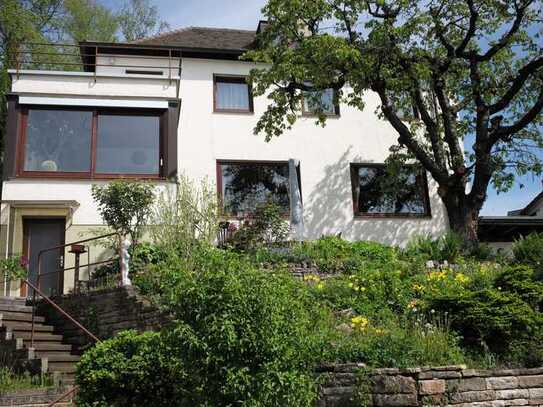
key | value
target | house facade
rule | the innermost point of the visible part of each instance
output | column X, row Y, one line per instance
column 179, row 103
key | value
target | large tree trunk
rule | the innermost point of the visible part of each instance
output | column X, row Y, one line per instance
column 463, row 216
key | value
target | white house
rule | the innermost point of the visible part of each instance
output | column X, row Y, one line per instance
column 176, row 103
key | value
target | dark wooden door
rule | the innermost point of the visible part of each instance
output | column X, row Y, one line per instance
column 40, row 234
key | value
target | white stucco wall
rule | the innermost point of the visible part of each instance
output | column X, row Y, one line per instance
column 204, row 137
column 324, row 153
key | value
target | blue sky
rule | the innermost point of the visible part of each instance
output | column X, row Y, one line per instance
column 244, row 14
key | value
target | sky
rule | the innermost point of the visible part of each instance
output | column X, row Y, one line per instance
column 245, row 14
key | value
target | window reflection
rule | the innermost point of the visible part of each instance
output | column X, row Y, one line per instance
column 58, row 141
column 246, row 185
column 376, row 193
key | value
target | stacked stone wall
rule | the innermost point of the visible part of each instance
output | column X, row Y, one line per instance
column 351, row 385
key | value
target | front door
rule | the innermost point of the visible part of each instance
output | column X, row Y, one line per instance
column 40, row 234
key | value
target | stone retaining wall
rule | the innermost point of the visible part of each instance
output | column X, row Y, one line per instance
column 104, row 313
column 350, row 385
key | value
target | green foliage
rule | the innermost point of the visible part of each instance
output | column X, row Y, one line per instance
column 418, row 58
column 241, row 336
column 14, row 267
column 501, row 315
column 329, row 254
column 11, row 381
column 185, row 213
column 88, row 20
column 139, row 19
column 266, row 227
column 124, row 206
column 131, row 370
column 529, row 250
column 448, row 247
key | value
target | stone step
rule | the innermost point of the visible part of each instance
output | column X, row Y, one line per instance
column 26, row 326
column 38, row 336
column 62, row 367
column 15, row 308
column 20, row 316
column 58, row 357
column 51, row 347
column 12, row 301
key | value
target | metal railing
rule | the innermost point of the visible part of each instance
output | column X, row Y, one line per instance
column 69, row 57
column 36, row 290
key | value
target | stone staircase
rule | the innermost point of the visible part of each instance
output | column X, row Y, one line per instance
column 50, row 354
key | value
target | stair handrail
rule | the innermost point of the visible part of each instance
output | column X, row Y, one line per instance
column 59, row 309
column 78, row 242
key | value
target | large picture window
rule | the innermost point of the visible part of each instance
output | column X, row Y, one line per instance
column 90, row 142
column 376, row 194
column 245, row 185
column 232, row 94
column 58, row 141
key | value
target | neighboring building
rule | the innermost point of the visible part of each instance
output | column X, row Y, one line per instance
column 501, row 231
column 177, row 103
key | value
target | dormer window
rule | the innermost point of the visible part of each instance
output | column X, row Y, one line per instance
column 232, row 94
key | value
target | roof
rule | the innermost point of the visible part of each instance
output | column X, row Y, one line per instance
column 528, row 209
column 508, row 228
column 203, row 37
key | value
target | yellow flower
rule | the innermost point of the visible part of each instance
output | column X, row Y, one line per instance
column 312, row 277
column 360, row 323
column 418, row 287
column 437, row 275
column 320, row 286
column 461, row 278
column 351, row 285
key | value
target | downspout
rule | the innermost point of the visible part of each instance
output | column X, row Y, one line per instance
column 296, row 207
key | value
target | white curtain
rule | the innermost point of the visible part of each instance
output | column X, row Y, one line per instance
column 232, row 96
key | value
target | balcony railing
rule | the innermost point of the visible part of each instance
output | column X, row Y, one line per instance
column 86, row 58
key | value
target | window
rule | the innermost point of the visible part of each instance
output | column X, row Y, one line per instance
column 232, row 94
column 128, row 144
column 90, row 142
column 58, row 141
column 316, row 101
column 375, row 193
column 244, row 185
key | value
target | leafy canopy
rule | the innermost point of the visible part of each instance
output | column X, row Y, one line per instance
column 445, row 72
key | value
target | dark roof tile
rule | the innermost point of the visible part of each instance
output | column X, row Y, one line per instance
column 201, row 37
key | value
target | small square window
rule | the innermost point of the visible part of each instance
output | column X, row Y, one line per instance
column 373, row 197
column 315, row 102
column 232, row 94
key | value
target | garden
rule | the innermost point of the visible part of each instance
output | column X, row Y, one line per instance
column 248, row 331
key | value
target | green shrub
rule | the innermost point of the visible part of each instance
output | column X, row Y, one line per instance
column 124, row 206
column 448, row 247
column 502, row 317
column 529, row 251
column 266, row 227
column 184, row 213
column 132, row 370
column 247, row 337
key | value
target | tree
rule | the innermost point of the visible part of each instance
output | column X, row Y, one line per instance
column 446, row 72
column 139, row 19
column 86, row 20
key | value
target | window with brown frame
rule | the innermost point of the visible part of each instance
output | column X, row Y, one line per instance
column 91, row 142
column 376, row 194
column 232, row 94
column 243, row 185
column 315, row 102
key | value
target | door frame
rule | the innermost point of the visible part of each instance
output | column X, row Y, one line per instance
column 26, row 247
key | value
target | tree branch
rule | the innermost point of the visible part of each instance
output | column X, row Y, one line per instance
column 406, row 137
column 517, row 85
column 530, row 116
